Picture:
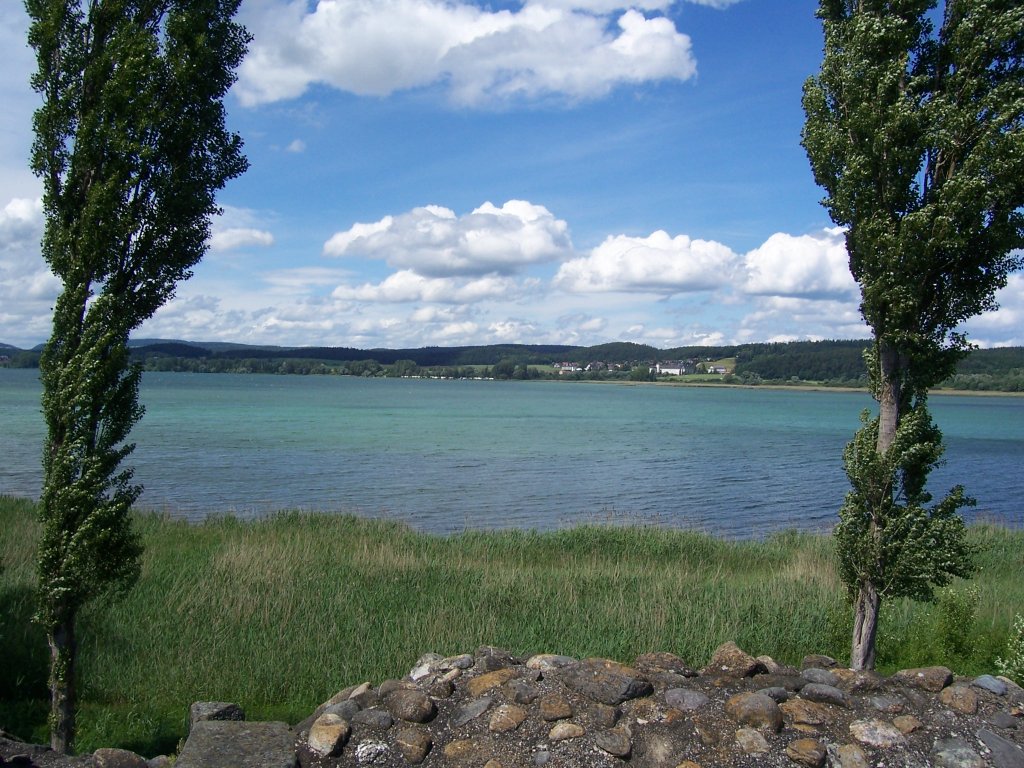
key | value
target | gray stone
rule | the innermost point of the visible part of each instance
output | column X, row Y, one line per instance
column 791, row 683
column 238, row 744
column 755, row 710
column 876, row 733
column 471, row 711
column 1005, row 754
column 990, row 684
column 490, row 658
column 1002, row 719
column 615, row 742
column 542, row 757
column 751, row 741
column 411, row 706
column 521, row 691
column 160, row 761
column 605, row 681
column 685, row 699
column 118, row 758
column 955, row 753
column 890, row 705
column 545, row 662
column 820, row 676
column 346, row 709
column 847, row 756
column 818, row 661
column 373, row 718
column 824, row 694
column 214, row 710
column 776, row 692
column 414, row 744
column 663, row 662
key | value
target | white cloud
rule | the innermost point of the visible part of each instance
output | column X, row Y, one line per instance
column 407, row 286
column 27, row 286
column 1004, row 326
column 296, row 146
column 657, row 264
column 240, row 237
column 434, row 242
column 811, row 266
column 377, row 47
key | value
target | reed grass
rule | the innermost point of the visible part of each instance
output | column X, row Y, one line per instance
column 281, row 613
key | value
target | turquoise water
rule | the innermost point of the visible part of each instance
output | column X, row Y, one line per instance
column 450, row 455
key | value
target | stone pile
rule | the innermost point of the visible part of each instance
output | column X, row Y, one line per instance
column 492, row 709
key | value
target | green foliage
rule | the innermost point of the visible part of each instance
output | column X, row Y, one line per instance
column 1012, row 665
column 956, row 615
column 886, row 534
column 131, row 146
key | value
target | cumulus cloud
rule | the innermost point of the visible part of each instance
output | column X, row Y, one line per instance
column 407, row 286
column 27, row 286
column 433, row 242
column 658, row 264
column 240, row 237
column 377, row 47
column 810, row 266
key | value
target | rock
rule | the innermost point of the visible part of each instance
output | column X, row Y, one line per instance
column 602, row 715
column 545, row 662
column 1005, row 754
column 819, row 676
column 490, row 680
column 615, row 741
column 792, row 683
column 755, row 710
column 118, row 758
column 818, row 661
column 890, row 705
column 907, row 724
column 489, row 658
column 955, row 753
column 414, row 744
column 771, row 666
column 388, row 687
column 961, row 698
column 346, row 709
column 806, row 713
column 729, row 659
column 238, row 744
column 521, row 691
column 471, row 711
column 463, row 749
column 214, row 710
column 848, row 756
column 605, row 681
column 990, row 684
column 776, row 692
column 328, row 734
column 373, row 718
column 160, row 761
column 1001, row 719
column 565, row 731
column 663, row 662
column 373, row 753
column 685, row 700
column 932, row 679
column 555, row 706
column 824, row 694
column 410, row 705
column 752, row 742
column 876, row 733
column 809, row 752
column 506, row 718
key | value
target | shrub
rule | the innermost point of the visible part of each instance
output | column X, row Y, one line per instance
column 1013, row 665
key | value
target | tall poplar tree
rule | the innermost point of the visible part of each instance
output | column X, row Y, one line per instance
column 914, row 130
column 131, row 146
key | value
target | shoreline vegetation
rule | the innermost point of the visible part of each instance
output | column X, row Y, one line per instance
column 803, row 365
column 279, row 613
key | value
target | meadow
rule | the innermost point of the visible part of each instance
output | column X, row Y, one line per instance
column 281, row 613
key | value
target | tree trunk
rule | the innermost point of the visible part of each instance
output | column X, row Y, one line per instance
column 63, row 650
column 865, row 626
column 890, row 394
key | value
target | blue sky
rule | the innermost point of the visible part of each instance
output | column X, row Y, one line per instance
column 548, row 171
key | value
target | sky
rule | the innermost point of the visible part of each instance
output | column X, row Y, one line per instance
column 459, row 172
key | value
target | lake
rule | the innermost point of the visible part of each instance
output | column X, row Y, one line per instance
column 446, row 456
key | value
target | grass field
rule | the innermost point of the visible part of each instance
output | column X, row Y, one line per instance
column 278, row 615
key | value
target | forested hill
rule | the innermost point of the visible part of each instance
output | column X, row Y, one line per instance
column 823, row 362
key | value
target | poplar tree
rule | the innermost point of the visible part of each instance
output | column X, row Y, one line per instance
column 914, row 130
column 131, row 146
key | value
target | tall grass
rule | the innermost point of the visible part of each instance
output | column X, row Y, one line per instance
column 279, row 614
